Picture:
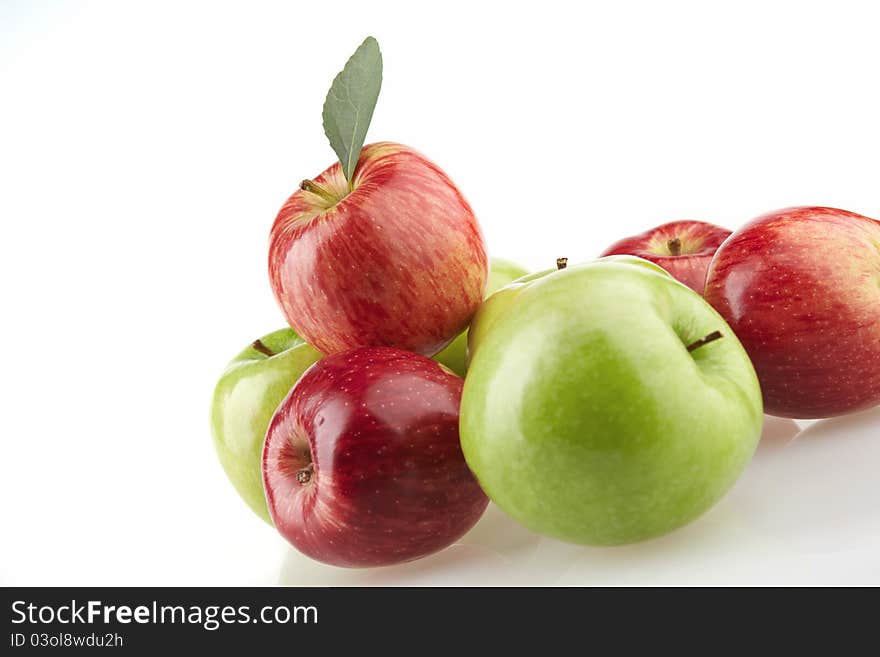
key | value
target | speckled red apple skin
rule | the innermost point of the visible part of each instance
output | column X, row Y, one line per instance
column 702, row 239
column 800, row 287
column 389, row 481
column 399, row 262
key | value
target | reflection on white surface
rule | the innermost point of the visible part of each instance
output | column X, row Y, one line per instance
column 778, row 432
column 805, row 511
column 459, row 564
column 824, row 487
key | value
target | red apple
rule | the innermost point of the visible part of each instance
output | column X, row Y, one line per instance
column 683, row 248
column 362, row 464
column 397, row 260
column 800, row 287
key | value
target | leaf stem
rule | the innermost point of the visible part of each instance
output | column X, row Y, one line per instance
column 260, row 346
column 714, row 335
column 314, row 188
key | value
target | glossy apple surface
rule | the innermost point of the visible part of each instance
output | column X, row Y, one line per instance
column 586, row 417
column 683, row 248
column 398, row 260
column 501, row 272
column 498, row 303
column 801, row 289
column 362, row 464
column 246, row 396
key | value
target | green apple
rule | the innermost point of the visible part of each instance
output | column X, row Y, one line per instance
column 247, row 394
column 497, row 303
column 501, row 272
column 608, row 404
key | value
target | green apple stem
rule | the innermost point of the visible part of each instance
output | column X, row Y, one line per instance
column 304, row 476
column 674, row 246
column 561, row 263
column 315, row 188
column 714, row 335
column 262, row 348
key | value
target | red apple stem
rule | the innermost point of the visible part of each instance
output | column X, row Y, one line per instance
column 314, row 188
column 702, row 342
column 260, row 346
column 561, row 263
column 304, row 475
column 674, row 246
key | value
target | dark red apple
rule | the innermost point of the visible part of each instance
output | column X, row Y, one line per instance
column 800, row 287
column 362, row 464
column 397, row 259
column 683, row 248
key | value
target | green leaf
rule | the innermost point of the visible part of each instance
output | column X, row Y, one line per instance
column 349, row 106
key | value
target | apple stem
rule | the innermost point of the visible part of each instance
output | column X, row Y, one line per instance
column 304, row 476
column 262, row 348
column 561, row 263
column 674, row 246
column 714, row 335
column 315, row 188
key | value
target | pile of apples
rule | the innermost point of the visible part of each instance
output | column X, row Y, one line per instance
column 600, row 403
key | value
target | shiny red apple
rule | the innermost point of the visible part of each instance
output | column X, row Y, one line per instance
column 362, row 464
column 683, row 248
column 800, row 287
column 397, row 259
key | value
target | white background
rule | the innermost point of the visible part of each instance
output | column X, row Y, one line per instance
column 146, row 147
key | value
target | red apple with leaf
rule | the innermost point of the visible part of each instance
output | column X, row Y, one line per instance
column 362, row 464
column 682, row 248
column 381, row 248
column 800, row 287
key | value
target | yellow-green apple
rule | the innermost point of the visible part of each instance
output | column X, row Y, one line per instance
column 683, row 248
column 801, row 289
column 497, row 303
column 607, row 404
column 257, row 379
column 246, row 396
column 501, row 272
column 395, row 259
column 362, row 464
